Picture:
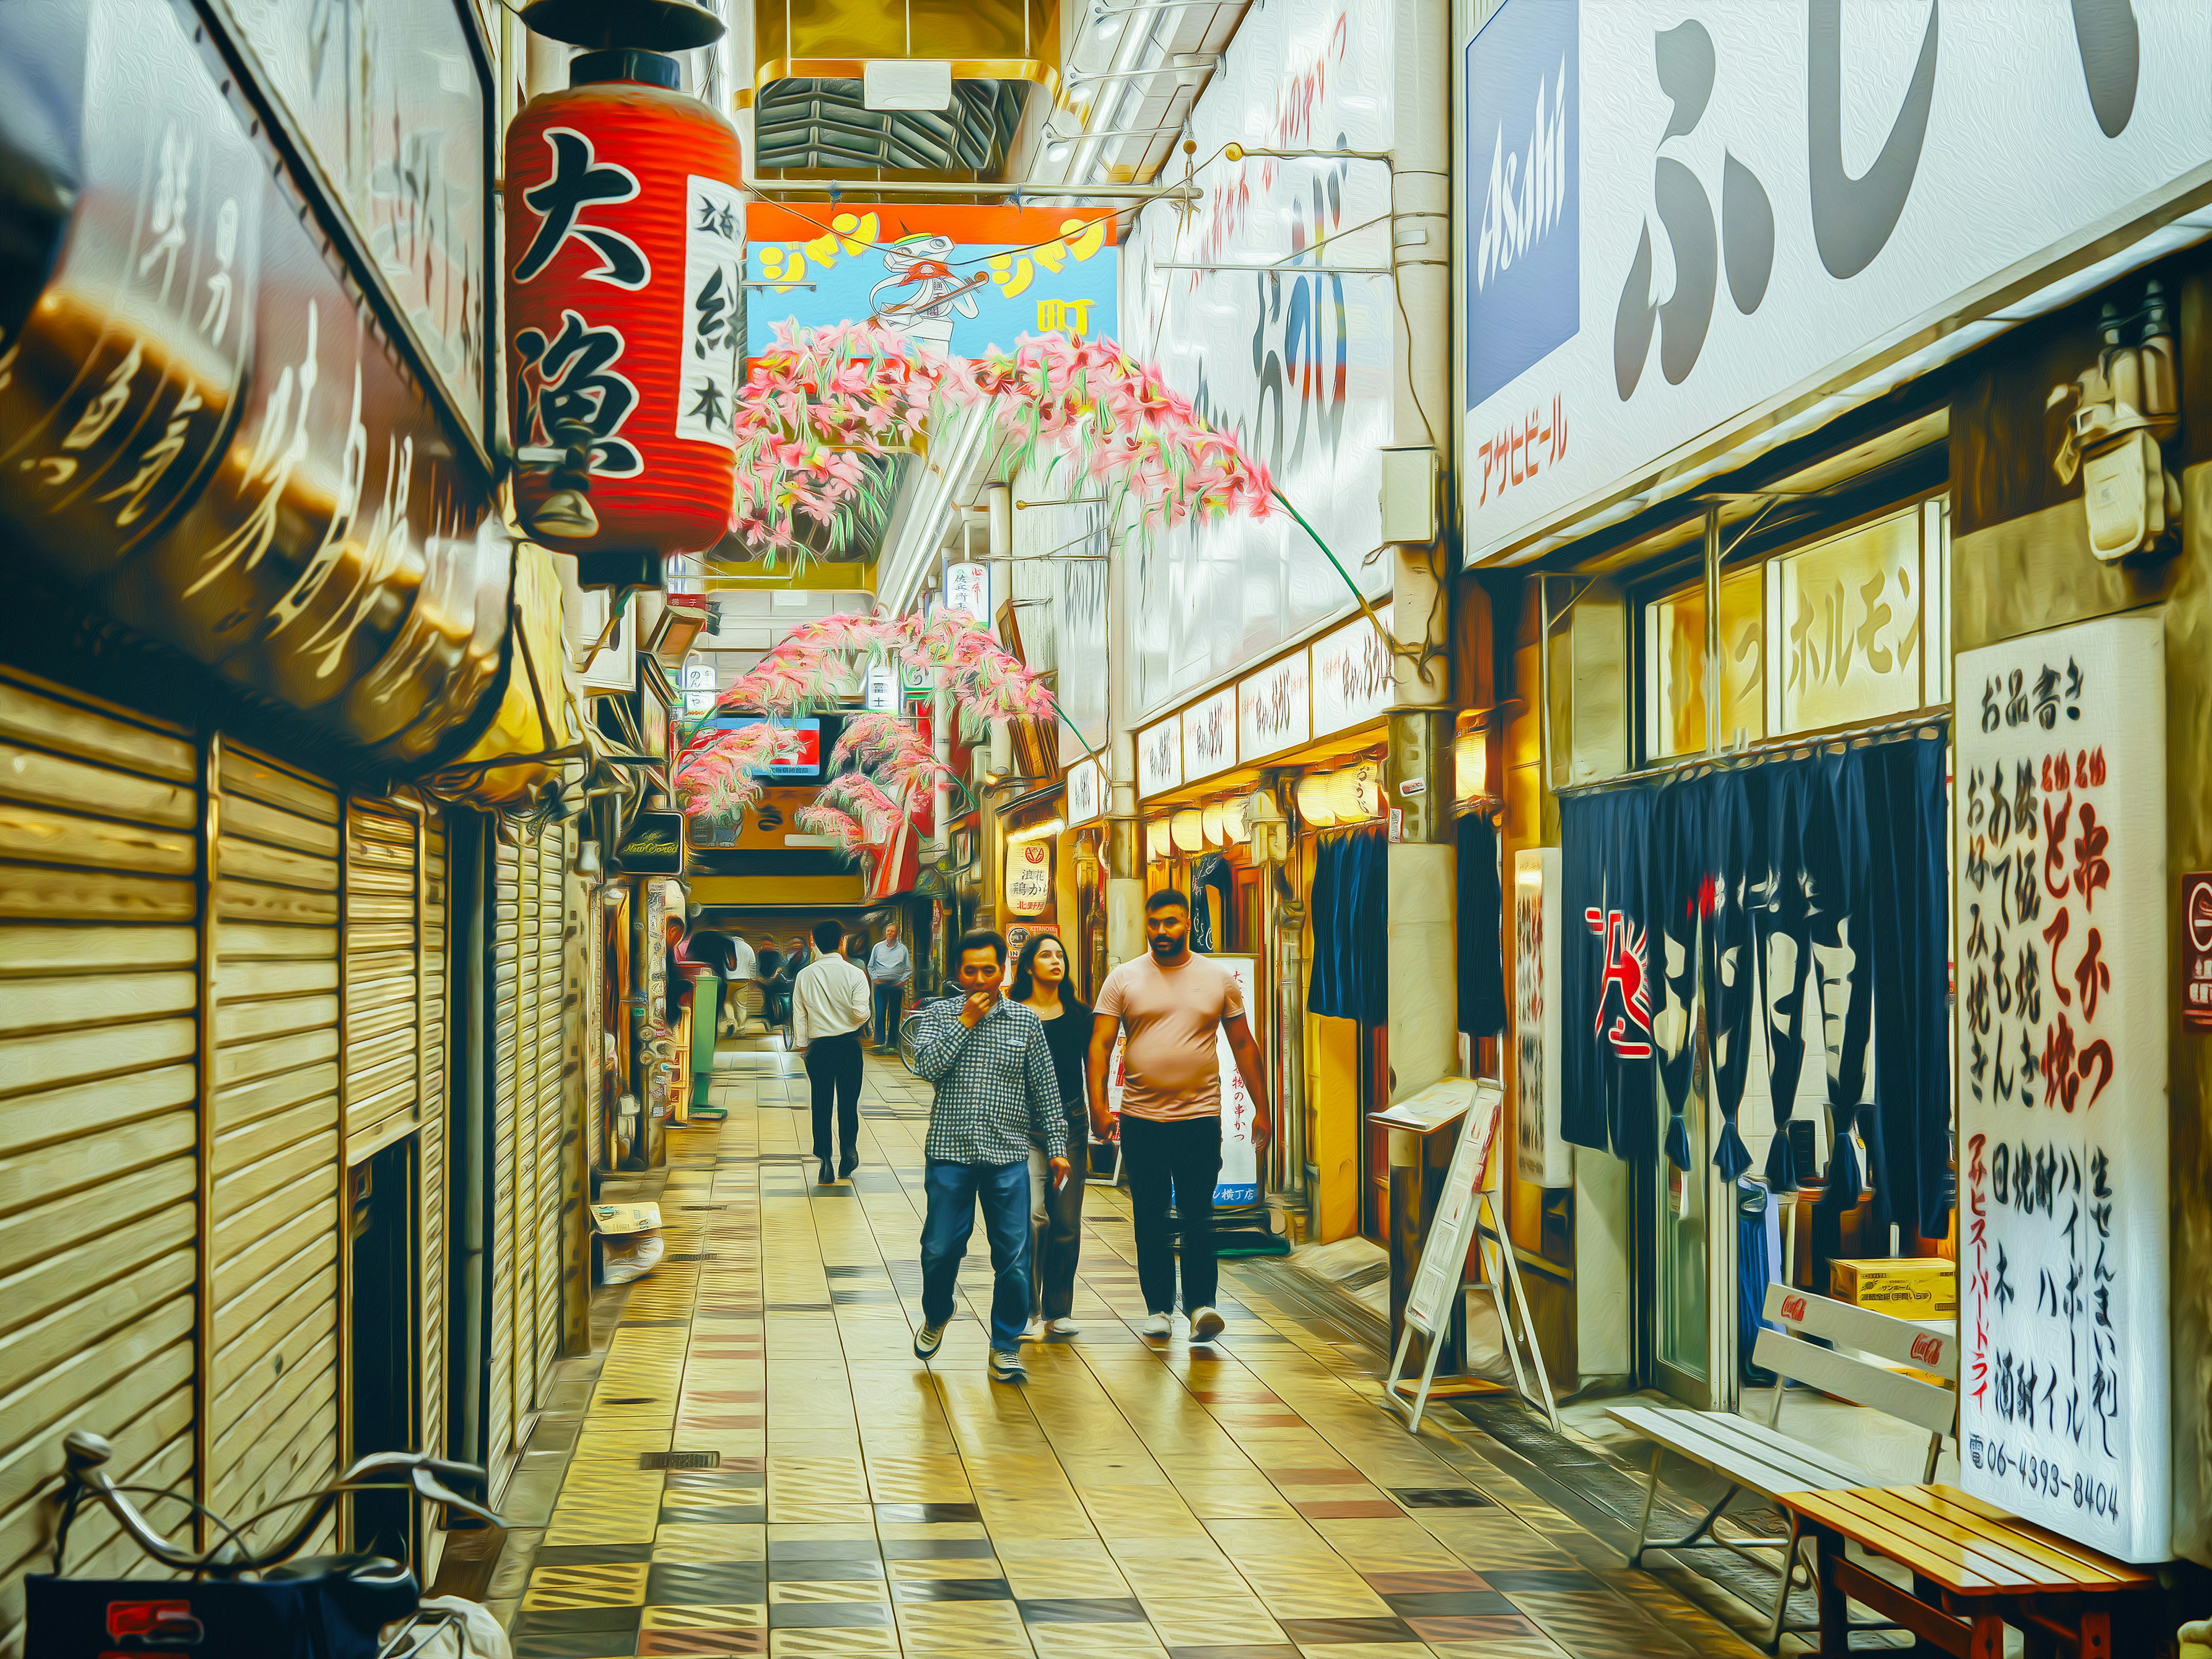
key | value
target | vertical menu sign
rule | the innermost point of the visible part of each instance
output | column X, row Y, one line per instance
column 2060, row 873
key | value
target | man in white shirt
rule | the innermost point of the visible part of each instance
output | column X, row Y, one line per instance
column 829, row 1007
column 889, row 968
column 744, row 967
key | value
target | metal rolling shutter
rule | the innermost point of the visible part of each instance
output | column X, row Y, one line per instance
column 99, row 992
column 499, row 1382
column 520, row 1242
column 383, row 975
column 552, row 1044
column 273, row 1341
column 434, row 1034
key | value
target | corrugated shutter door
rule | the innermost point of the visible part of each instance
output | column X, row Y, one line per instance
column 100, row 819
column 551, row 1047
column 435, row 1036
column 273, row 1382
column 520, row 1242
column 383, row 1023
column 499, row 1384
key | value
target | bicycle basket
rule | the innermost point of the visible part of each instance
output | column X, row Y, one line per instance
column 334, row 1613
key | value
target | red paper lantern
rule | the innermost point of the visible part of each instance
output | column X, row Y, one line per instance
column 624, row 257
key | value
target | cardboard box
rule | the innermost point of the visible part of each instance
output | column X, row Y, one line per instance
column 1906, row 1287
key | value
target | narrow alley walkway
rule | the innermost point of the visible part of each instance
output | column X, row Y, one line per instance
column 834, row 1497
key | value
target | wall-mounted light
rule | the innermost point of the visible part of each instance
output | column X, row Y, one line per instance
column 1044, row 831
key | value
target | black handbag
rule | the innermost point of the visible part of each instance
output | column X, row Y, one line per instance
column 320, row 1607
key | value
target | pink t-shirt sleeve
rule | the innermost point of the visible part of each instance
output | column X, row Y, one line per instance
column 1110, row 996
column 1232, row 998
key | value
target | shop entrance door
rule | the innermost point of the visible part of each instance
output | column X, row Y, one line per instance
column 1687, row 1233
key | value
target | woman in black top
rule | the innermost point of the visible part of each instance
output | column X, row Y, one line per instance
column 1056, row 1213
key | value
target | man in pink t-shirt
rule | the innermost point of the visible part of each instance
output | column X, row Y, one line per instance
column 1172, row 1004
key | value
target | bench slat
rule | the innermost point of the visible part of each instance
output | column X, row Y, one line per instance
column 1751, row 1434
column 1987, row 1540
column 1924, row 1404
column 2088, row 1567
column 1900, row 1341
column 1706, row 1437
column 1933, row 1558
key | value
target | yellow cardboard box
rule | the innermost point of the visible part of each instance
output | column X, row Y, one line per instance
column 1906, row 1287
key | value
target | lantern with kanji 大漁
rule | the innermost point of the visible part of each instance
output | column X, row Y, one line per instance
column 625, row 258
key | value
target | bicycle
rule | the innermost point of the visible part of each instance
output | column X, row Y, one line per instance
column 237, row 1601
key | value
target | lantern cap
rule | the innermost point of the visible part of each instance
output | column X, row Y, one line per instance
column 654, row 25
column 653, row 68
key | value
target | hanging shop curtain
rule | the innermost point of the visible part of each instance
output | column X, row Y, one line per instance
column 1606, row 1098
column 1733, row 816
column 1481, row 937
column 1779, row 919
column 1910, row 1142
column 1351, row 904
column 1679, row 864
column 1213, row 874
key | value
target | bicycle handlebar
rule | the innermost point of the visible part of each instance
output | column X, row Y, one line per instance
column 86, row 1456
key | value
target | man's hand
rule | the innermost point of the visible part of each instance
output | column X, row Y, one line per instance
column 1105, row 1126
column 1262, row 1127
column 1062, row 1169
column 979, row 1003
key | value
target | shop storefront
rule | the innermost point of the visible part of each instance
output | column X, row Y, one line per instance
column 1815, row 628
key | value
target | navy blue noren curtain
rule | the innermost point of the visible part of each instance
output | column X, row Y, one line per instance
column 1481, row 930
column 1351, row 906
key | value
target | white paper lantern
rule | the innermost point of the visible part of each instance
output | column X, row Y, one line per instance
column 1188, row 832
column 1156, row 841
column 1470, row 764
column 1355, row 794
column 1314, row 804
column 1209, row 823
column 1232, row 821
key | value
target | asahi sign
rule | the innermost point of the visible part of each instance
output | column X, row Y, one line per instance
column 1682, row 221
column 2059, row 806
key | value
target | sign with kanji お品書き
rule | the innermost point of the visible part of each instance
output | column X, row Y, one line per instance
column 2060, row 866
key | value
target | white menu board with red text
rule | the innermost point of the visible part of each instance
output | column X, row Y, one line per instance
column 2059, row 866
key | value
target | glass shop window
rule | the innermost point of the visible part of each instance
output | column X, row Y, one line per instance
column 1845, row 631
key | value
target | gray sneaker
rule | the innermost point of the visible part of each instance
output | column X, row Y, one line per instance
column 1007, row 1368
column 928, row 1340
column 1206, row 1324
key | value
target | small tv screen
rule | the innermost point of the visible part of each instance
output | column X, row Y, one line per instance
column 808, row 754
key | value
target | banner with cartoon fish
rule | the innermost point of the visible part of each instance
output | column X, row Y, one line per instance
column 958, row 279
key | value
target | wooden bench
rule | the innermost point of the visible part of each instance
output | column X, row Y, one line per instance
column 1761, row 1460
column 1975, row 1570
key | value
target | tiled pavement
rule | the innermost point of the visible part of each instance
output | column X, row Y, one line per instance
column 838, row 1498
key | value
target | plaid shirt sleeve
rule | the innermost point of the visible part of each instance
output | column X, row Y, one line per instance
column 995, row 1087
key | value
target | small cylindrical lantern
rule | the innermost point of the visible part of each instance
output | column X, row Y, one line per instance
column 1314, row 805
column 624, row 263
column 1189, row 830
column 1209, row 823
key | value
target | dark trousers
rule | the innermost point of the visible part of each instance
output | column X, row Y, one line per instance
column 953, row 1190
column 891, row 999
column 1181, row 1159
column 833, row 1066
column 1056, row 1230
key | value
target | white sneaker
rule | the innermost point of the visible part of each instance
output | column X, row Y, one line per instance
column 1007, row 1368
column 1206, row 1324
column 928, row 1340
column 1034, row 1331
column 1157, row 1325
column 1064, row 1327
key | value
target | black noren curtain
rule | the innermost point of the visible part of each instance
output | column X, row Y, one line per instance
column 1481, row 930
column 1606, row 1072
column 1351, row 906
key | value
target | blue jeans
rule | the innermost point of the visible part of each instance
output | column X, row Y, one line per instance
column 953, row 1190
column 889, row 1000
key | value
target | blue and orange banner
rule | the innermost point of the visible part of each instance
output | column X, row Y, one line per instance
column 959, row 279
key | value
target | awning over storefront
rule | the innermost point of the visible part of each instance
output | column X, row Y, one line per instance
column 203, row 428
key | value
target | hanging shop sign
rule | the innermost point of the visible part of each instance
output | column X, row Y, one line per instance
column 1681, row 231
column 1018, row 934
column 1209, row 735
column 1086, row 792
column 1543, row 1157
column 2061, row 1055
column 959, row 281
column 1029, row 877
column 625, row 250
column 1297, row 362
column 1274, row 710
column 1159, row 757
column 1353, row 677
column 654, row 846
column 201, row 426
column 882, row 693
column 968, row 587
column 2197, row 952
column 389, row 106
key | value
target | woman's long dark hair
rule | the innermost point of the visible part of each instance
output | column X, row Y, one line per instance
column 1024, row 986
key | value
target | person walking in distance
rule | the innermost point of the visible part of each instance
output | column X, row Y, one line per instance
column 1172, row 1003
column 829, row 1011
column 997, row 1095
column 1056, row 1212
column 889, row 968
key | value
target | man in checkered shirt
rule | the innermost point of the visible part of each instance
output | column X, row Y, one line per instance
column 997, row 1093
